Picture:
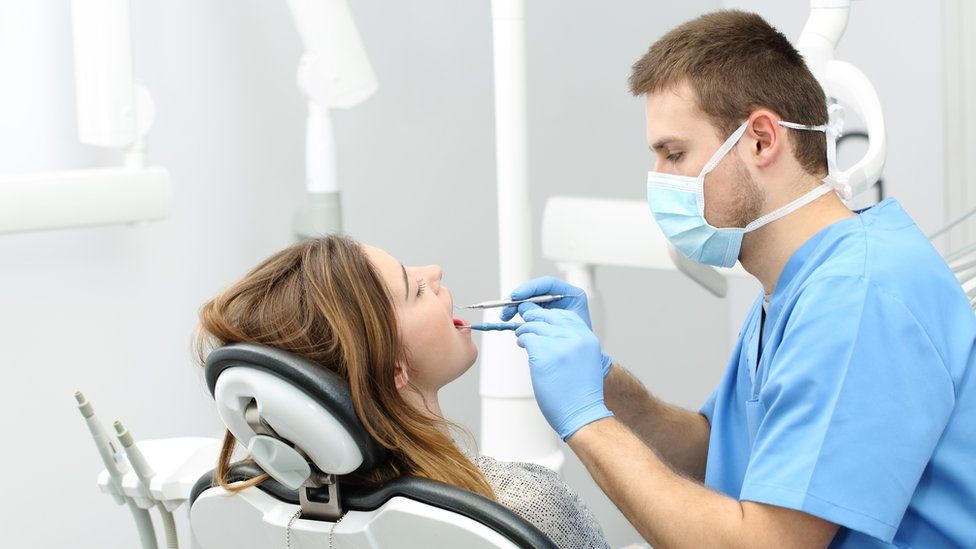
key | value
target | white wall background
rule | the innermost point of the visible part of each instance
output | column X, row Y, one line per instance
column 110, row 310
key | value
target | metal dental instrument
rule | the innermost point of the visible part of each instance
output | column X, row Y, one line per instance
column 493, row 326
column 507, row 302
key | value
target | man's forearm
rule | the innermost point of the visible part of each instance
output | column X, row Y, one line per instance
column 678, row 436
column 669, row 510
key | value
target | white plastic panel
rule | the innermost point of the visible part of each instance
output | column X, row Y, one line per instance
column 254, row 520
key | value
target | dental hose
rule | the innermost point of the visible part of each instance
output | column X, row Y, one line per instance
column 144, row 525
column 145, row 474
column 169, row 527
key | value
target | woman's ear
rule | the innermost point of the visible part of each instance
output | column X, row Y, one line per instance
column 400, row 376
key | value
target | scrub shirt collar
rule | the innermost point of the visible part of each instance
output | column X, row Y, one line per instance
column 800, row 256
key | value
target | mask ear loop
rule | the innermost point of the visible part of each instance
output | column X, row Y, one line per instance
column 833, row 129
column 723, row 150
column 713, row 161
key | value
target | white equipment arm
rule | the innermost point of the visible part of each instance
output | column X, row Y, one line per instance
column 114, row 112
column 334, row 73
column 512, row 427
column 846, row 84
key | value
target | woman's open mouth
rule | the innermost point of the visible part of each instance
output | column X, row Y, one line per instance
column 462, row 325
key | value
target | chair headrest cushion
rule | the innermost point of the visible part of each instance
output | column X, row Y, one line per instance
column 322, row 385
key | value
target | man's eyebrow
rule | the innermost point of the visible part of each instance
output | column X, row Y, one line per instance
column 660, row 143
column 406, row 286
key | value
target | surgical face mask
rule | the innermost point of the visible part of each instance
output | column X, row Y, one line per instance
column 678, row 201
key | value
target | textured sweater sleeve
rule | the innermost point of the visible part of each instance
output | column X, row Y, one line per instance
column 539, row 495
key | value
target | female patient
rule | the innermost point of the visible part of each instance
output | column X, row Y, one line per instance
column 389, row 330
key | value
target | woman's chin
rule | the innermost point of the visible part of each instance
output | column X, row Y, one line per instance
column 469, row 362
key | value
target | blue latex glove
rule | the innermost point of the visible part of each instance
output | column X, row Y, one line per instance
column 551, row 285
column 566, row 365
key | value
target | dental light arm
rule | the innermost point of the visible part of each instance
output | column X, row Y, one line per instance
column 334, row 73
column 113, row 112
column 846, row 84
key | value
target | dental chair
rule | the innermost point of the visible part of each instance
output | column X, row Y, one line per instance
column 298, row 423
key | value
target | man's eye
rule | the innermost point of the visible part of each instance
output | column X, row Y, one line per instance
column 674, row 157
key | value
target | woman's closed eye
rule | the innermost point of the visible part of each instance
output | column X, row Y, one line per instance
column 421, row 285
column 675, row 156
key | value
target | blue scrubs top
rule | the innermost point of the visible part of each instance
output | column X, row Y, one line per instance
column 862, row 408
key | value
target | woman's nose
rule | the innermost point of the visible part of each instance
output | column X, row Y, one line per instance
column 435, row 273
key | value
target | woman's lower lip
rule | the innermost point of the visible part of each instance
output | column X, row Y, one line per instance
column 462, row 326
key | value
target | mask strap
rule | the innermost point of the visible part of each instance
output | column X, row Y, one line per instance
column 724, row 149
column 833, row 129
column 789, row 208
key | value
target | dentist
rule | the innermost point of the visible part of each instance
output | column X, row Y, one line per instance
column 847, row 413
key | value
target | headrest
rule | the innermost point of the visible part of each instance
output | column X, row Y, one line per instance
column 303, row 403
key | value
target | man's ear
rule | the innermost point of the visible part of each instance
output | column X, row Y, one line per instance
column 767, row 135
column 400, row 376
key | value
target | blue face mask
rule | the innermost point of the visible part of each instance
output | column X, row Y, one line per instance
column 678, row 201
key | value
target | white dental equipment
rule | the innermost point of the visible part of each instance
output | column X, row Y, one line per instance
column 116, row 467
column 845, row 84
column 334, row 73
column 145, row 474
column 157, row 473
column 112, row 112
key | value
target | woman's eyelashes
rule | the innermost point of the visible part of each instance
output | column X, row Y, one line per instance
column 421, row 285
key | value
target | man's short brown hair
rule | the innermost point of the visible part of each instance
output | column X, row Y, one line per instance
column 736, row 62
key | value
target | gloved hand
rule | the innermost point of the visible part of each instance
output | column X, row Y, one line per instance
column 566, row 366
column 550, row 285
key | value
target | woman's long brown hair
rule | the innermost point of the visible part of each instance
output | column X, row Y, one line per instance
column 321, row 299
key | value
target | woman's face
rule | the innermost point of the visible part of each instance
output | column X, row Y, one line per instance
column 437, row 351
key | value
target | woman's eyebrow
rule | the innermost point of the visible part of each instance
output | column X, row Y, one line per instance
column 406, row 286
